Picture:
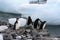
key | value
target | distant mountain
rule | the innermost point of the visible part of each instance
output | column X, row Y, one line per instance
column 10, row 12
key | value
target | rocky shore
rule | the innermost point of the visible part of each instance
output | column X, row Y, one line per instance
column 24, row 33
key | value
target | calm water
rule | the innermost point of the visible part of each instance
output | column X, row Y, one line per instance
column 53, row 29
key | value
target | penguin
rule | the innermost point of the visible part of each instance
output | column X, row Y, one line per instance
column 15, row 23
column 29, row 21
column 42, row 26
column 36, row 23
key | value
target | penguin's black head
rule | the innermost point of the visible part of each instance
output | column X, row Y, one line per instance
column 37, row 19
column 44, row 22
column 29, row 17
column 17, row 18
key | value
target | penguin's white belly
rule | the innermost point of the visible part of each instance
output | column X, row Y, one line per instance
column 17, row 26
column 44, row 26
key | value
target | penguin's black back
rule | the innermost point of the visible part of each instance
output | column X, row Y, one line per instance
column 36, row 22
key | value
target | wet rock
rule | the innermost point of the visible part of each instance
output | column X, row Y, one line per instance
column 7, row 37
column 3, row 23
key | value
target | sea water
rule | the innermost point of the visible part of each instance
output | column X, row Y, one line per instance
column 53, row 29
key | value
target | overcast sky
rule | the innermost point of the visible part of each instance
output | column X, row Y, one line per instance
column 49, row 11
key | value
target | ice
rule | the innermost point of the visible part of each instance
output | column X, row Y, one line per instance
column 12, row 20
column 3, row 27
column 22, row 21
column 1, row 37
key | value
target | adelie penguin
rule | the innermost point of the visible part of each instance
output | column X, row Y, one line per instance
column 36, row 23
column 15, row 24
column 29, row 21
column 42, row 26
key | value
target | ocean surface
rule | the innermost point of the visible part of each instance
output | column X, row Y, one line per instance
column 52, row 29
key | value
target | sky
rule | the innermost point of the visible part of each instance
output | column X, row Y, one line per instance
column 50, row 11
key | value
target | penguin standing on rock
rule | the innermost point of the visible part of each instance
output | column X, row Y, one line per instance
column 29, row 21
column 36, row 23
column 42, row 26
column 15, row 23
